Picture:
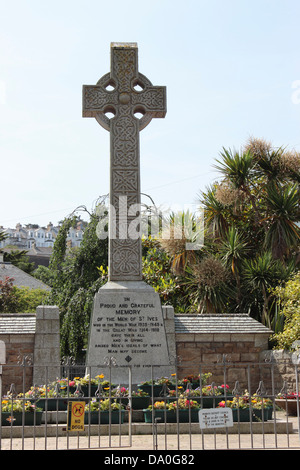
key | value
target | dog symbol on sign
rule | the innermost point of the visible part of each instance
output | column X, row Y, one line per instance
column 78, row 409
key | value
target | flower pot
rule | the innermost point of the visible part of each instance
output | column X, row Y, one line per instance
column 52, row 404
column 263, row 414
column 147, row 388
column 89, row 392
column 289, row 405
column 102, row 417
column 139, row 403
column 242, row 415
column 166, row 416
column 211, row 401
column 9, row 418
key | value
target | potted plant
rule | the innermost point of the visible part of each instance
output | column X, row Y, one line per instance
column 209, row 396
column 45, row 397
column 182, row 409
column 175, row 394
column 245, row 409
column 49, row 397
column 88, row 386
column 139, row 398
column 194, row 381
column 104, row 412
column 263, row 407
column 66, row 386
column 150, row 387
column 13, row 411
column 160, row 386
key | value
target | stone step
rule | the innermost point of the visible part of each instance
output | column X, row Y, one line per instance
column 139, row 428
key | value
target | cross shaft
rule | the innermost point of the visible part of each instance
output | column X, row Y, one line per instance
column 117, row 93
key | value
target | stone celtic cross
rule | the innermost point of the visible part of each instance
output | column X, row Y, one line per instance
column 124, row 92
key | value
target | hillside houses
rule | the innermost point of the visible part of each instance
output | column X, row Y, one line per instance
column 38, row 241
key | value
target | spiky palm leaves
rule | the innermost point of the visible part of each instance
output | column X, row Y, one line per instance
column 253, row 215
column 207, row 282
column 282, row 213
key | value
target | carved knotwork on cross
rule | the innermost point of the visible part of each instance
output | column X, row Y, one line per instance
column 124, row 92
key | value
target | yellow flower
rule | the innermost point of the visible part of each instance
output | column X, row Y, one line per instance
column 173, row 375
column 100, row 376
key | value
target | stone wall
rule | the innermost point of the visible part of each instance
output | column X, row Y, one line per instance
column 228, row 346
column 17, row 348
column 283, row 366
column 229, row 357
column 32, row 348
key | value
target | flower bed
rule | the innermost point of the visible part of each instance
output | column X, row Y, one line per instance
column 104, row 412
column 245, row 408
column 209, row 396
column 139, row 399
column 186, row 410
column 14, row 411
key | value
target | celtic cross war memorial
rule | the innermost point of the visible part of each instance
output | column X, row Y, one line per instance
column 126, row 323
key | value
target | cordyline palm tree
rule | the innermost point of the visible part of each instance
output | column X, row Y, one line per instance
column 214, row 213
column 207, row 285
column 239, row 169
column 233, row 250
column 254, row 213
column 181, row 229
column 283, row 233
column 260, row 276
column 236, row 168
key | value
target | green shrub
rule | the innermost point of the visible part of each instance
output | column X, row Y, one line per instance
column 289, row 296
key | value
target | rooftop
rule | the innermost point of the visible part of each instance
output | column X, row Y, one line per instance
column 17, row 323
column 21, row 279
column 218, row 323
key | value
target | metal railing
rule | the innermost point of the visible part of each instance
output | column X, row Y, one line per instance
column 115, row 416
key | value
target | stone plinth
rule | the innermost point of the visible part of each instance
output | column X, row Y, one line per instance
column 127, row 328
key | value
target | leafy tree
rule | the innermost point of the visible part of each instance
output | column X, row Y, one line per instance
column 8, row 299
column 75, row 277
column 157, row 272
column 18, row 258
column 289, row 300
column 44, row 274
column 19, row 299
column 29, row 299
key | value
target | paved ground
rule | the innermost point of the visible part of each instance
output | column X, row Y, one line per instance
column 170, row 442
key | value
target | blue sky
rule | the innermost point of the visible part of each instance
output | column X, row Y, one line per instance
column 231, row 68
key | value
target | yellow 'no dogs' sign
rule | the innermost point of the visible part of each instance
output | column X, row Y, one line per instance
column 76, row 415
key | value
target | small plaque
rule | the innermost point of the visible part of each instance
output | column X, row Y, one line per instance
column 215, row 418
